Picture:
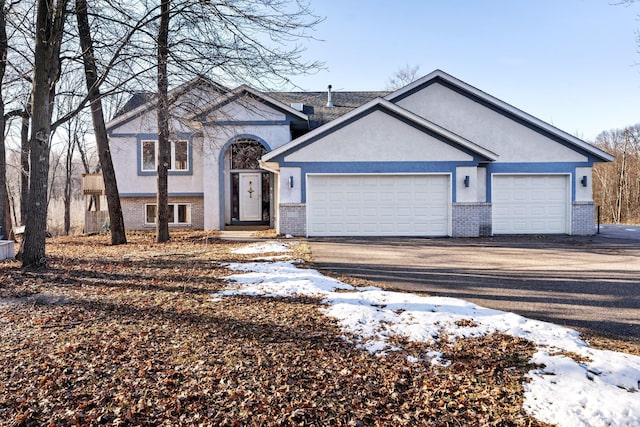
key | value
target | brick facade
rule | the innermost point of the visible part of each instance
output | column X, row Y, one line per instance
column 293, row 219
column 133, row 212
column 468, row 219
column 471, row 219
column 583, row 219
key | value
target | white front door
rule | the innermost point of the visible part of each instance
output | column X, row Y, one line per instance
column 250, row 196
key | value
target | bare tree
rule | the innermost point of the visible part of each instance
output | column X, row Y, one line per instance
column 116, row 220
column 16, row 89
column 617, row 184
column 50, row 18
column 76, row 129
column 24, row 163
column 247, row 41
column 164, row 145
column 5, row 220
column 402, row 77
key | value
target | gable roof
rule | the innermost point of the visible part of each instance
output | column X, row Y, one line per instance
column 439, row 75
column 141, row 102
column 136, row 100
column 393, row 108
column 244, row 89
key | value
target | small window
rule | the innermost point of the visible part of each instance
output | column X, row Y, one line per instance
column 170, row 209
column 246, row 153
column 150, row 214
column 179, row 214
column 149, row 156
column 181, row 156
column 183, row 217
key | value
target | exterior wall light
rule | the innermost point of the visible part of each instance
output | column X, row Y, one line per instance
column 584, row 181
column 466, row 181
column 290, row 182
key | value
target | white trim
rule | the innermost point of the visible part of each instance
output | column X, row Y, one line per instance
column 155, row 155
column 172, row 155
column 502, row 105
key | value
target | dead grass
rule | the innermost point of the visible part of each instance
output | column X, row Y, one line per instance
column 608, row 343
column 130, row 335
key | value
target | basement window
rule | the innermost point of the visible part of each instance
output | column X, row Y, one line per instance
column 179, row 213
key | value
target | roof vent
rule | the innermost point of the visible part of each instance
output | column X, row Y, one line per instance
column 299, row 106
column 329, row 97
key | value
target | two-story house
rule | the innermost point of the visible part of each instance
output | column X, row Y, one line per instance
column 435, row 158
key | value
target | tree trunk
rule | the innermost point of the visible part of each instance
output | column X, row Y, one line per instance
column 68, row 175
column 5, row 219
column 164, row 147
column 87, row 169
column 25, row 168
column 49, row 22
column 116, row 221
column 622, row 181
column 33, row 247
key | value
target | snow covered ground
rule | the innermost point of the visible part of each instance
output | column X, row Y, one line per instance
column 601, row 390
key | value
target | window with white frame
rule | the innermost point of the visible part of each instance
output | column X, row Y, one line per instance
column 149, row 156
column 179, row 155
column 179, row 213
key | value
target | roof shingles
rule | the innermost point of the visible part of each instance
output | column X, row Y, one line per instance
column 315, row 103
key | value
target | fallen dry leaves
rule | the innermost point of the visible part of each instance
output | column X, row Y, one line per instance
column 129, row 335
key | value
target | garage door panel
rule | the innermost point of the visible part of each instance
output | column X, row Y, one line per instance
column 378, row 205
column 530, row 204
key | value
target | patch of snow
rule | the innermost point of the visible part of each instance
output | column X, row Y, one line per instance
column 569, row 393
column 600, row 392
column 262, row 248
column 280, row 279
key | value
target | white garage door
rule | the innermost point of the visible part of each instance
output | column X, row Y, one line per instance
column 378, row 205
column 530, row 204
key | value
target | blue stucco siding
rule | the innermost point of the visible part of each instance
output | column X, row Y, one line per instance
column 388, row 168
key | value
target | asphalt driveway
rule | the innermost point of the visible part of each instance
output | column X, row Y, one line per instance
column 590, row 283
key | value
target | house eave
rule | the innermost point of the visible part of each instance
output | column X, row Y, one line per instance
column 508, row 108
column 382, row 103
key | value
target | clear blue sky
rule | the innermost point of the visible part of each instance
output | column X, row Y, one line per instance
column 571, row 63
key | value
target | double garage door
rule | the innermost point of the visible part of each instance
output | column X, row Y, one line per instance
column 378, row 205
column 420, row 205
column 530, row 204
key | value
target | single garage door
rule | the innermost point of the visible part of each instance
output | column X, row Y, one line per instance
column 530, row 204
column 378, row 205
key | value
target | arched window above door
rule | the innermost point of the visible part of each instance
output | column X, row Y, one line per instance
column 246, row 154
